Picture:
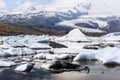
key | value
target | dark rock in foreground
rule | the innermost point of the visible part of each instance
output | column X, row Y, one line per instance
column 63, row 66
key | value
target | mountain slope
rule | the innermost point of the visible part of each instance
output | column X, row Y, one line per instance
column 89, row 16
column 7, row 29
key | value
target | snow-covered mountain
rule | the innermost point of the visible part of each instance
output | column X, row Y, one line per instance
column 73, row 11
column 43, row 17
column 89, row 16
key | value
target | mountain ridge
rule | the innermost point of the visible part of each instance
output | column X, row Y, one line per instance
column 78, row 16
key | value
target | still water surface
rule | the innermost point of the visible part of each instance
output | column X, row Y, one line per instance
column 97, row 72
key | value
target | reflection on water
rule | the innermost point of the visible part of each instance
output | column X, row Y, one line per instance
column 84, row 63
column 93, row 63
column 111, row 65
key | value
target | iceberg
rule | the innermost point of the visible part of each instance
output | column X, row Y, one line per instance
column 24, row 67
column 38, row 46
column 24, row 40
column 106, row 55
column 7, row 63
column 17, row 52
column 111, row 37
column 90, row 56
column 40, row 56
column 74, row 35
column 52, row 56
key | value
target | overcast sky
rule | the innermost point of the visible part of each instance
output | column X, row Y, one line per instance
column 12, row 4
column 98, row 6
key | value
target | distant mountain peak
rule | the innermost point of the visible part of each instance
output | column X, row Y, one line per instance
column 32, row 8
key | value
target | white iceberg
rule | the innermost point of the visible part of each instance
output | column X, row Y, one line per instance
column 52, row 56
column 24, row 40
column 58, row 56
column 47, row 65
column 25, row 67
column 74, row 35
column 109, row 54
column 106, row 55
column 90, row 56
column 40, row 56
column 6, row 63
column 111, row 37
column 39, row 46
column 18, row 51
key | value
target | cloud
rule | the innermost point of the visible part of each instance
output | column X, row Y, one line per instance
column 99, row 7
column 58, row 3
column 24, row 6
column 2, row 5
column 66, row 3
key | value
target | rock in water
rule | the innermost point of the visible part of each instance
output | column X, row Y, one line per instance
column 57, row 65
column 25, row 67
column 62, row 66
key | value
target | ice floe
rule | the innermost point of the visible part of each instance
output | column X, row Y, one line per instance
column 16, row 52
column 108, row 54
column 89, row 56
column 111, row 37
column 25, row 67
column 39, row 46
column 6, row 63
column 40, row 56
column 35, row 44
column 52, row 56
column 24, row 40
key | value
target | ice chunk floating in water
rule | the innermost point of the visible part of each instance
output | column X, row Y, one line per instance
column 106, row 55
column 25, row 67
column 7, row 63
column 89, row 56
column 52, row 56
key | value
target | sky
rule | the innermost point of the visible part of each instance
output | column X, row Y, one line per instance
column 12, row 4
column 98, row 6
column 21, row 5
